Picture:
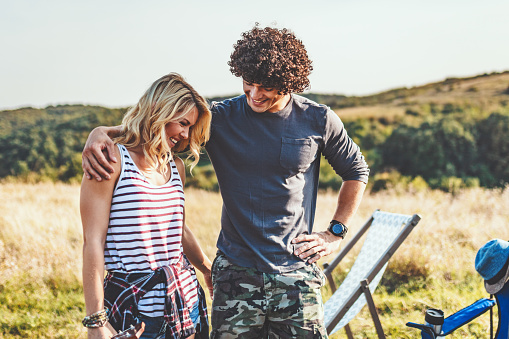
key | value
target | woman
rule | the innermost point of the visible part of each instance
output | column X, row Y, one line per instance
column 134, row 225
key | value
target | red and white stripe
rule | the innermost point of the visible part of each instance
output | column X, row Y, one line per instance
column 145, row 231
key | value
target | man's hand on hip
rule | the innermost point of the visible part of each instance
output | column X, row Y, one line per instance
column 316, row 245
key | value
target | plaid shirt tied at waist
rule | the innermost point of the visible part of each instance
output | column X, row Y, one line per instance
column 123, row 291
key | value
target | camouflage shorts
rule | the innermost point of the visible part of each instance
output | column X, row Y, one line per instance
column 252, row 304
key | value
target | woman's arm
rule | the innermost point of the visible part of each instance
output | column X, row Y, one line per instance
column 95, row 203
column 190, row 244
column 99, row 150
column 197, row 257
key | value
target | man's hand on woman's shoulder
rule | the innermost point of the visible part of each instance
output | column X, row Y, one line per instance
column 98, row 153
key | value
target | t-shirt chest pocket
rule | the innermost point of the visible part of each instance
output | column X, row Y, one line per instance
column 297, row 154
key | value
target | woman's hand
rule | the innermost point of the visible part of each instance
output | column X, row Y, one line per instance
column 131, row 333
column 208, row 280
column 104, row 332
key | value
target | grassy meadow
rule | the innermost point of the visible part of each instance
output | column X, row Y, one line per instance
column 40, row 256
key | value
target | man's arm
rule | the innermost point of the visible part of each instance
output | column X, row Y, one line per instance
column 321, row 244
column 347, row 160
column 94, row 162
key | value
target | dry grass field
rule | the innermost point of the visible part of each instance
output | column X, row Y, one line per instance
column 40, row 256
column 366, row 112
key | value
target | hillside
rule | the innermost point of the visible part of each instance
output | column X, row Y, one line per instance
column 487, row 91
column 447, row 134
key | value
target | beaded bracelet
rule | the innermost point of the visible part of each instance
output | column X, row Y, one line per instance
column 97, row 319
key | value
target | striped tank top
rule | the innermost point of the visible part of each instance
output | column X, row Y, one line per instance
column 145, row 231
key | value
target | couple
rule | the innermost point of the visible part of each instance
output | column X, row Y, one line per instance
column 265, row 147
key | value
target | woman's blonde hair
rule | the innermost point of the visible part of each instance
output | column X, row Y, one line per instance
column 168, row 99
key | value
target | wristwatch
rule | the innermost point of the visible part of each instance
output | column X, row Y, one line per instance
column 338, row 228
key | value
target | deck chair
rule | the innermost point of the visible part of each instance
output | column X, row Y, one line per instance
column 386, row 232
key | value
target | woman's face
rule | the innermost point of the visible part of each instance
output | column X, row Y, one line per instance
column 178, row 130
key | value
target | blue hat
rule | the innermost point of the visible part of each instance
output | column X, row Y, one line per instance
column 492, row 263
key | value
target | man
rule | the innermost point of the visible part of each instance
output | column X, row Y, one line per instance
column 265, row 147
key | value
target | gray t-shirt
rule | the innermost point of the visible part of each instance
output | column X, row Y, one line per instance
column 267, row 166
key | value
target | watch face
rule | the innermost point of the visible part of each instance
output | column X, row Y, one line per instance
column 337, row 229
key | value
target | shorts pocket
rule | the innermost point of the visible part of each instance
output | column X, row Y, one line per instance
column 319, row 274
column 214, row 271
column 223, row 270
column 214, row 262
column 297, row 154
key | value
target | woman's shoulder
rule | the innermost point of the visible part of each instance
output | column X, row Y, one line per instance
column 117, row 166
column 181, row 167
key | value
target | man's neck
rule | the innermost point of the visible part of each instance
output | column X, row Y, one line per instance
column 281, row 104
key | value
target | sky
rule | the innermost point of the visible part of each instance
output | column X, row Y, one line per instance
column 108, row 52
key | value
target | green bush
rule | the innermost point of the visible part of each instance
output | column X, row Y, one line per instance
column 328, row 178
column 202, row 177
column 494, row 147
column 436, row 148
column 434, row 142
column 393, row 180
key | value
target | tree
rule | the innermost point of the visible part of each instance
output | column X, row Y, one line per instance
column 436, row 148
column 494, row 149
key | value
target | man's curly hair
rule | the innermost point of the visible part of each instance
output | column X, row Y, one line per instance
column 273, row 58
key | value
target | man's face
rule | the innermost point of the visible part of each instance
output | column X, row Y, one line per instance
column 264, row 99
